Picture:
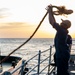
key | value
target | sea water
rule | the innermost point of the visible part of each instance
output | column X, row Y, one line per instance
column 7, row 45
column 32, row 47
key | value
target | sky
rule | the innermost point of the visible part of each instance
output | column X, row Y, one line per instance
column 19, row 18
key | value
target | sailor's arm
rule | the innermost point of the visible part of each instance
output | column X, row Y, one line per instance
column 51, row 16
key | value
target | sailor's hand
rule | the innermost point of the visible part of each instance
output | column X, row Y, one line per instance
column 49, row 8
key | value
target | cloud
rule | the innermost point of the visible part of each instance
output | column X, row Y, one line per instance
column 14, row 25
column 4, row 12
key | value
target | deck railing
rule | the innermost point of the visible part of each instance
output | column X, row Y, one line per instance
column 39, row 59
column 41, row 64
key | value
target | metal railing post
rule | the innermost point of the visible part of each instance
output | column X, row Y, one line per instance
column 38, row 62
column 22, row 69
column 49, row 59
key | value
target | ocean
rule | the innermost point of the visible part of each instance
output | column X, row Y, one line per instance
column 7, row 45
column 32, row 47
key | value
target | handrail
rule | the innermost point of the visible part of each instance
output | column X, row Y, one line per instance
column 42, row 62
column 37, row 66
column 49, row 58
column 32, row 58
column 43, row 69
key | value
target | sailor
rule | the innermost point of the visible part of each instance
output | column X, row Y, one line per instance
column 62, row 49
column 69, row 44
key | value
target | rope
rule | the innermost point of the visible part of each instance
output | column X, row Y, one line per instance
column 61, row 10
column 26, row 40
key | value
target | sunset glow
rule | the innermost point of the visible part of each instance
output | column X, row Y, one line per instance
column 19, row 18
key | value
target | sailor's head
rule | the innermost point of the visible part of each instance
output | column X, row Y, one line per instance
column 65, row 24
